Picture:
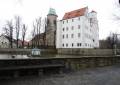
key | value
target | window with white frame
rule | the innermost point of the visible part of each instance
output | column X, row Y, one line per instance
column 63, row 36
column 66, row 35
column 63, row 22
column 72, row 20
column 78, row 26
column 67, row 28
column 72, row 27
column 72, row 44
column 63, row 29
column 67, row 21
column 66, row 44
column 78, row 34
column 72, row 35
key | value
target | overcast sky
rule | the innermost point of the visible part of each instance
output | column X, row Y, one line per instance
column 31, row 9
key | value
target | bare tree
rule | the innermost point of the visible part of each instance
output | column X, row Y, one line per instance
column 17, row 27
column 8, row 29
column 36, row 32
column 39, row 32
column 24, row 29
column 44, row 27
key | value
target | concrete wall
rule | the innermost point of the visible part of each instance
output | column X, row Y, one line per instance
column 80, row 63
column 86, row 52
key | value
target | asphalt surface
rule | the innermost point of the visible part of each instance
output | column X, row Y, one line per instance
column 109, row 75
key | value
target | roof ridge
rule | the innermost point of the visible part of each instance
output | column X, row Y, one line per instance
column 78, row 9
column 75, row 13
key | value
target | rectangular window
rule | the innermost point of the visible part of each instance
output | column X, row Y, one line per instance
column 72, row 44
column 78, row 34
column 78, row 44
column 72, row 27
column 67, row 28
column 66, row 35
column 78, row 26
column 63, row 36
column 63, row 45
column 67, row 21
column 72, row 20
column 72, row 35
column 63, row 22
column 63, row 29
column 66, row 45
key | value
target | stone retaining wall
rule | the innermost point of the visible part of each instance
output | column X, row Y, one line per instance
column 86, row 52
column 25, row 51
column 80, row 63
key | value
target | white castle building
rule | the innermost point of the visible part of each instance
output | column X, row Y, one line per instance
column 78, row 29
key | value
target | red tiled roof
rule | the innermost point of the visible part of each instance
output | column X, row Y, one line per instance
column 75, row 13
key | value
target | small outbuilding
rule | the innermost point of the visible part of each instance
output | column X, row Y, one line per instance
column 36, row 51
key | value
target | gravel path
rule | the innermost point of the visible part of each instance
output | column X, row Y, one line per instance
column 98, row 76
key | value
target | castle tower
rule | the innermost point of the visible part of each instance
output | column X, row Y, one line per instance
column 51, row 28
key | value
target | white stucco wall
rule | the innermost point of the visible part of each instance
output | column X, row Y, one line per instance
column 88, row 33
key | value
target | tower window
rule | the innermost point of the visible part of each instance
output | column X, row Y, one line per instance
column 48, row 21
column 54, row 22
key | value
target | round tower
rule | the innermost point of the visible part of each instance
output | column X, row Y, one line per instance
column 51, row 19
column 51, row 28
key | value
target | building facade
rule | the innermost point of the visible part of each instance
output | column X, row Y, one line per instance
column 78, row 29
column 48, row 37
column 5, row 42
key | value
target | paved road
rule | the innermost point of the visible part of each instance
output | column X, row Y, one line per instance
column 98, row 76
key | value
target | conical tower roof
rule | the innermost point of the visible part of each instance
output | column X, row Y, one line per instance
column 52, row 12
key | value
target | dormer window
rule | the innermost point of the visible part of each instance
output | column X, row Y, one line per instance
column 72, row 20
